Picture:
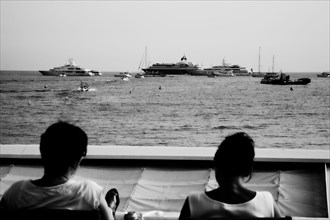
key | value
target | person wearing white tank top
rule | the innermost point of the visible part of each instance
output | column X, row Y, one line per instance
column 62, row 148
column 233, row 163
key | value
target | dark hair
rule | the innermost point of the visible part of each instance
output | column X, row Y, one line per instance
column 235, row 155
column 62, row 146
column 109, row 198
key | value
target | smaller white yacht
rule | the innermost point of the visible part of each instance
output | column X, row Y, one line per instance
column 70, row 69
column 228, row 70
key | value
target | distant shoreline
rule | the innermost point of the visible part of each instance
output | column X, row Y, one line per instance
column 111, row 72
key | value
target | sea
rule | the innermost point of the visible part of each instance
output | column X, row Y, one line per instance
column 195, row 111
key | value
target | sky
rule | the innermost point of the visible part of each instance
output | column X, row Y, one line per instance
column 113, row 35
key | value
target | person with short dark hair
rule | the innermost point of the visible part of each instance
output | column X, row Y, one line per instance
column 113, row 200
column 62, row 148
column 233, row 163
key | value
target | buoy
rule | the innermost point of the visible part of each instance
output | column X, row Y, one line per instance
column 160, row 88
column 45, row 86
column 66, row 98
column 291, row 88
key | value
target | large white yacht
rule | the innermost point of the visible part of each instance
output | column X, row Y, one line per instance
column 180, row 68
column 70, row 69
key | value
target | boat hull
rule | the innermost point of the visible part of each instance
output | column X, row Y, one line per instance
column 51, row 73
column 219, row 74
column 154, row 75
column 301, row 81
column 48, row 73
column 175, row 71
column 258, row 75
column 242, row 74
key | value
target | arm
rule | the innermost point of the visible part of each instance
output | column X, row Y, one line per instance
column 106, row 212
column 185, row 211
column 277, row 212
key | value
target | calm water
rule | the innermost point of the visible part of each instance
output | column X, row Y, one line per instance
column 186, row 111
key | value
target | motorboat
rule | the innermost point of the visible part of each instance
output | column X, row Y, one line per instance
column 123, row 74
column 84, row 87
column 324, row 74
column 139, row 75
column 283, row 79
column 69, row 69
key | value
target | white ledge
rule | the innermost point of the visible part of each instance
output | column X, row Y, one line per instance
column 26, row 151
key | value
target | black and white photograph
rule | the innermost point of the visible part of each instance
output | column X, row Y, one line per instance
column 165, row 109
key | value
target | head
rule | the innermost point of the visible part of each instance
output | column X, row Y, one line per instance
column 112, row 198
column 62, row 147
column 234, row 157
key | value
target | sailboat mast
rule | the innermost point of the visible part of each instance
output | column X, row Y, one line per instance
column 259, row 59
column 273, row 64
column 143, row 60
column 146, row 58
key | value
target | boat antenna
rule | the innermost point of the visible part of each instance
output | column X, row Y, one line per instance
column 71, row 62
